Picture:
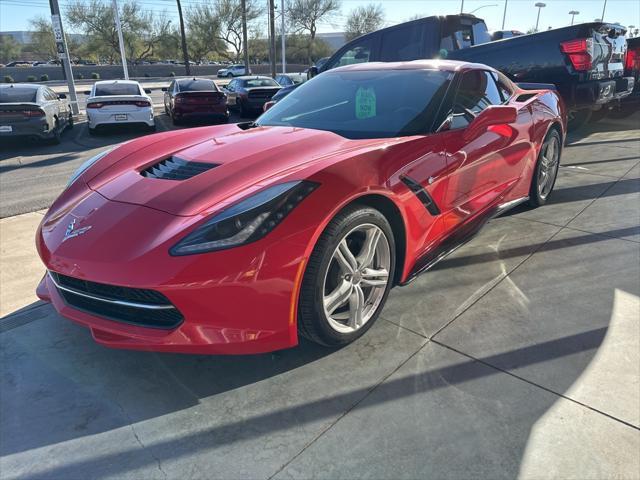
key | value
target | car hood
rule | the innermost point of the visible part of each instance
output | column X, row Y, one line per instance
column 233, row 162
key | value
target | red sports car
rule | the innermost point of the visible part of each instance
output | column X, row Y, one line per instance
column 239, row 238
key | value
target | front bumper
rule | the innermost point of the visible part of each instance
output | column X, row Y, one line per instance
column 603, row 91
column 97, row 117
column 237, row 301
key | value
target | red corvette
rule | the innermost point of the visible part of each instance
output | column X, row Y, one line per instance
column 238, row 238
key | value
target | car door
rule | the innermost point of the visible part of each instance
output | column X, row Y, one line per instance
column 482, row 169
column 231, row 92
column 49, row 103
column 167, row 96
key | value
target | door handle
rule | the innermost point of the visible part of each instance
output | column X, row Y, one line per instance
column 431, row 180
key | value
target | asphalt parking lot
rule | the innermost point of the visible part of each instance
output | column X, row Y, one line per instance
column 517, row 356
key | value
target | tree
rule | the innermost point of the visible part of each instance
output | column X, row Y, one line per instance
column 305, row 15
column 203, row 32
column 9, row 49
column 142, row 30
column 361, row 20
column 43, row 43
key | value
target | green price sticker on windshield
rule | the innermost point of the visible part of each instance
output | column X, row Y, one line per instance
column 365, row 103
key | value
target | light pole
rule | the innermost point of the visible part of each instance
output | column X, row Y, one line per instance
column 461, row 6
column 123, row 56
column 284, row 58
column 483, row 6
column 504, row 14
column 604, row 7
column 573, row 13
column 540, row 6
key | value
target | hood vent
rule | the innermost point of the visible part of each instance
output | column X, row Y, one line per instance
column 174, row 168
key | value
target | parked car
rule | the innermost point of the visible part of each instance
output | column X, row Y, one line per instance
column 280, row 94
column 116, row 102
column 195, row 98
column 33, row 111
column 288, row 79
column 237, row 239
column 501, row 34
column 249, row 94
column 585, row 61
column 19, row 63
column 630, row 104
column 232, row 71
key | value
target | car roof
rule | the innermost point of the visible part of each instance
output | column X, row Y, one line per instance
column 22, row 85
column 193, row 79
column 111, row 82
column 442, row 65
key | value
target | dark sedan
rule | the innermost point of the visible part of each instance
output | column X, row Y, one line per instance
column 249, row 94
column 195, row 98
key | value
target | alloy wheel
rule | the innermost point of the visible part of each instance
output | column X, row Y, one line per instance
column 356, row 278
column 549, row 164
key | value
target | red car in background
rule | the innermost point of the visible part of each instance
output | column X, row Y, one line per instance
column 239, row 238
column 195, row 99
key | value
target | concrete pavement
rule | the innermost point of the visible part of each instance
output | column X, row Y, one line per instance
column 517, row 356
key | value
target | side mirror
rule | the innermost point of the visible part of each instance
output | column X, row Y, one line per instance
column 147, row 91
column 493, row 115
column 62, row 96
column 312, row 72
column 87, row 92
column 164, row 89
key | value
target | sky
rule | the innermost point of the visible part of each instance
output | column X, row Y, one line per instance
column 521, row 14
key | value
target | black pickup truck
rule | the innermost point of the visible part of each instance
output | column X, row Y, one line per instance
column 585, row 62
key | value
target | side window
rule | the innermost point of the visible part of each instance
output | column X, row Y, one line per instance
column 49, row 95
column 400, row 44
column 172, row 87
column 232, row 85
column 504, row 86
column 476, row 91
column 360, row 52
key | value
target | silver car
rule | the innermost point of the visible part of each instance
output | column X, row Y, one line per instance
column 232, row 71
column 33, row 111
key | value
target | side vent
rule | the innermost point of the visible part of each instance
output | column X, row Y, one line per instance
column 174, row 168
column 524, row 97
column 422, row 195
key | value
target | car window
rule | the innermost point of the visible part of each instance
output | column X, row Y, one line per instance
column 504, row 86
column 49, row 95
column 480, row 33
column 476, row 91
column 232, row 85
column 116, row 89
column 400, row 44
column 197, row 85
column 171, row 87
column 360, row 52
column 364, row 104
column 18, row 94
column 260, row 82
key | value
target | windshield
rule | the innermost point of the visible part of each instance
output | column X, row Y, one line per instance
column 197, row 85
column 261, row 82
column 363, row 104
column 117, row 89
column 18, row 94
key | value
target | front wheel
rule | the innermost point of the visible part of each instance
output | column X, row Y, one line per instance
column 546, row 171
column 348, row 277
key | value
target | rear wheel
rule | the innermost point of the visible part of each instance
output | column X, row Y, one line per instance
column 57, row 132
column 348, row 277
column 546, row 171
column 92, row 131
column 70, row 121
column 229, row 75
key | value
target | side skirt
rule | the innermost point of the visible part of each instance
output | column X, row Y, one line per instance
column 458, row 238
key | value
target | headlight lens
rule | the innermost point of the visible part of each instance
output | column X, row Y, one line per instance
column 246, row 221
column 87, row 164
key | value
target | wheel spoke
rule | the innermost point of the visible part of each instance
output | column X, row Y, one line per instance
column 338, row 297
column 346, row 260
column 368, row 251
column 356, row 306
column 375, row 277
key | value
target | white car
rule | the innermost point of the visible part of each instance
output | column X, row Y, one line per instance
column 114, row 102
column 232, row 71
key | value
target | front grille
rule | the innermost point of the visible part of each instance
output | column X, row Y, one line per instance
column 137, row 306
column 174, row 168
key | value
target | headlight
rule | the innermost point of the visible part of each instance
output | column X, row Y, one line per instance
column 246, row 221
column 87, row 164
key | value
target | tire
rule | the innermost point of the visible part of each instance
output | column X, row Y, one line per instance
column 57, row 132
column 546, row 171
column 92, row 131
column 175, row 120
column 151, row 128
column 324, row 277
column 70, row 122
column 166, row 110
column 578, row 119
column 229, row 75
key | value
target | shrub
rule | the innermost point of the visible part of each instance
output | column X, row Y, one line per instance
column 172, row 74
column 146, row 74
column 44, row 78
column 8, row 79
column 95, row 75
column 79, row 76
column 31, row 78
